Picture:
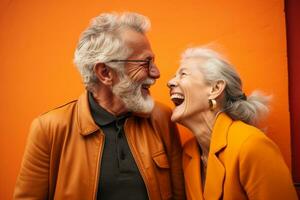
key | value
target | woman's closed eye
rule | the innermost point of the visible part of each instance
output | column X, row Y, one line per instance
column 183, row 74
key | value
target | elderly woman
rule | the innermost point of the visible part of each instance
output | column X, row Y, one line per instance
column 228, row 157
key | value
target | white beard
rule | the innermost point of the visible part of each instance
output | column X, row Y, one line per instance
column 131, row 94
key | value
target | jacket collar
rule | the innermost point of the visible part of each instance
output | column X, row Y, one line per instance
column 101, row 116
column 215, row 170
column 84, row 117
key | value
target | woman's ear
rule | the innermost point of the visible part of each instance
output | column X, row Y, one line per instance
column 103, row 73
column 217, row 89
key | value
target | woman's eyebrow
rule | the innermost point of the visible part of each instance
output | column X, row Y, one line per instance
column 182, row 69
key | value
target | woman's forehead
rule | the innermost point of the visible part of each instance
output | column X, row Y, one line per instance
column 191, row 64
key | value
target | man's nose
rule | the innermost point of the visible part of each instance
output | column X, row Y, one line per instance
column 154, row 72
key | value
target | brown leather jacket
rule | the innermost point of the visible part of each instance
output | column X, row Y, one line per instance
column 63, row 154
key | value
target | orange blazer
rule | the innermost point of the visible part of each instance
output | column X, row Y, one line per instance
column 243, row 164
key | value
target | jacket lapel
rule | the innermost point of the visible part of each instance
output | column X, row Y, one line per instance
column 192, row 166
column 215, row 169
column 84, row 117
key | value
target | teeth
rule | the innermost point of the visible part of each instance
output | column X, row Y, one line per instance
column 177, row 96
column 147, row 83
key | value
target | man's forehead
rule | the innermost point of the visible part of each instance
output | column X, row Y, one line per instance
column 132, row 37
column 138, row 43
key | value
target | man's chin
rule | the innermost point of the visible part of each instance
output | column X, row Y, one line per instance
column 142, row 105
column 147, row 106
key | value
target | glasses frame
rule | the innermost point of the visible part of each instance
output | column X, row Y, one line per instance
column 149, row 62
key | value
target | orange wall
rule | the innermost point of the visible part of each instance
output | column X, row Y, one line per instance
column 38, row 39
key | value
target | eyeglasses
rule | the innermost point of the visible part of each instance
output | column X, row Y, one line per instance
column 148, row 62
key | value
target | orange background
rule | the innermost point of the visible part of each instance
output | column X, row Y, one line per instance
column 38, row 38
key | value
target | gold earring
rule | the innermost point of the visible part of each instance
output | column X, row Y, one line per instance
column 212, row 104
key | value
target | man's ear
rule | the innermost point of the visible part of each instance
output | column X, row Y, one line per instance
column 104, row 74
column 217, row 89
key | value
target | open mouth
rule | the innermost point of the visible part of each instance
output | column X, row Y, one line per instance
column 145, row 89
column 146, row 86
column 177, row 98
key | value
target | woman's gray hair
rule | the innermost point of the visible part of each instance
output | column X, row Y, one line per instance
column 101, row 42
column 248, row 109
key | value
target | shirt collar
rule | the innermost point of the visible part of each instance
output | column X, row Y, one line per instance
column 101, row 116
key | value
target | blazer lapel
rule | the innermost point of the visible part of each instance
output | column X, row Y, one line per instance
column 191, row 167
column 215, row 169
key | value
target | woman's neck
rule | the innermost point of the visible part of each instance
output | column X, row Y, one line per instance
column 202, row 126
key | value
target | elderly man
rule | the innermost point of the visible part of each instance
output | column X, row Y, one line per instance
column 113, row 142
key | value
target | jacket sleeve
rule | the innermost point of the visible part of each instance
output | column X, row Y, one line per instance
column 263, row 172
column 176, row 165
column 32, row 182
column 169, row 133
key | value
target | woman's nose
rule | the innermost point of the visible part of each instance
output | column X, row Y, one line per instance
column 171, row 83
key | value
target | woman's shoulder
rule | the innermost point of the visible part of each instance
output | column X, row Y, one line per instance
column 242, row 132
column 250, row 139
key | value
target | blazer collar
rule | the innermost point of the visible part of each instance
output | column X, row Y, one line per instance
column 84, row 117
column 215, row 176
column 219, row 133
column 215, row 169
column 219, row 136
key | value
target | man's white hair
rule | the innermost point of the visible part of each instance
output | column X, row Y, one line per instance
column 101, row 42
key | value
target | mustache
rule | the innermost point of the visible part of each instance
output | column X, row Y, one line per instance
column 148, row 81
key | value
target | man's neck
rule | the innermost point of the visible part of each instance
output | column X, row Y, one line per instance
column 107, row 100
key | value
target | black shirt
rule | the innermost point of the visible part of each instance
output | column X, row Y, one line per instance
column 119, row 174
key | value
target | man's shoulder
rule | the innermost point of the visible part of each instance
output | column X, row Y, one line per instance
column 190, row 143
column 160, row 110
column 59, row 114
column 161, row 119
column 55, row 123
